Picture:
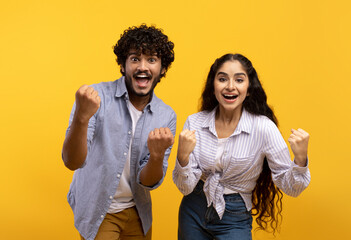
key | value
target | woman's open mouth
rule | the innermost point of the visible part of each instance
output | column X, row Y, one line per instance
column 230, row 96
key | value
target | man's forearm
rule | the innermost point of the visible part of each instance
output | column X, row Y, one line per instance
column 74, row 149
column 152, row 173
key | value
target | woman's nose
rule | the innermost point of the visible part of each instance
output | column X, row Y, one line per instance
column 231, row 84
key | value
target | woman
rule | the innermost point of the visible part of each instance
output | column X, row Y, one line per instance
column 232, row 159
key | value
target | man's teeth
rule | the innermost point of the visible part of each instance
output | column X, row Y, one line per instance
column 143, row 77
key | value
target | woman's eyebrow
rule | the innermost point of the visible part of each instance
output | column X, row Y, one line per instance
column 223, row 73
column 239, row 74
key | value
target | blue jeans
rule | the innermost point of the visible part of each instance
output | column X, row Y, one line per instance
column 197, row 221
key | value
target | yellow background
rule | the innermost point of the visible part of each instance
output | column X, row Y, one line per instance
column 301, row 50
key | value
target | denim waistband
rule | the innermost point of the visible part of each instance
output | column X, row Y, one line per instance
column 200, row 186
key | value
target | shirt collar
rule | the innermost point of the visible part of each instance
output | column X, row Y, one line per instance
column 210, row 119
column 244, row 125
column 121, row 88
column 121, row 91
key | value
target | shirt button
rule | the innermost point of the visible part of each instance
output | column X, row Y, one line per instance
column 129, row 132
column 111, row 197
column 125, row 154
column 118, row 175
column 102, row 216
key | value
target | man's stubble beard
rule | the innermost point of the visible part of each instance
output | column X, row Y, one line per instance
column 131, row 90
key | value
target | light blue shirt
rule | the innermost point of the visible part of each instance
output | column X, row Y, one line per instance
column 254, row 138
column 109, row 134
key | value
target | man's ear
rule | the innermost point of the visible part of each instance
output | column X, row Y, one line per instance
column 163, row 71
column 122, row 69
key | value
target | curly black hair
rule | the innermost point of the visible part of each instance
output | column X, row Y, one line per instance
column 147, row 40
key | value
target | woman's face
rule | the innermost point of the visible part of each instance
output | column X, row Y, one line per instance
column 230, row 86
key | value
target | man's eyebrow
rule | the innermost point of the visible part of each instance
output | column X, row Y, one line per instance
column 134, row 53
column 139, row 54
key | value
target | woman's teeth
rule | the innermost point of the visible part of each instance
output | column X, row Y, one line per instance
column 228, row 96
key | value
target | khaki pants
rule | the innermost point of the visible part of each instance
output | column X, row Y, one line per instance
column 125, row 225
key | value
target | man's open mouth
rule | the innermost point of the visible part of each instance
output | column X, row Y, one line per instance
column 142, row 79
column 142, row 76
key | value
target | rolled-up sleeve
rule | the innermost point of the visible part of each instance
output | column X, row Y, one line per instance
column 188, row 176
column 91, row 128
column 288, row 176
column 172, row 126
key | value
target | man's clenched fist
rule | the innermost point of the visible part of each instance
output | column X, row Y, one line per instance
column 159, row 140
column 87, row 103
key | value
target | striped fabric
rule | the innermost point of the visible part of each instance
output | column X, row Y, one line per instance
column 254, row 138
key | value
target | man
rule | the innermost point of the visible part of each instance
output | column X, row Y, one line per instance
column 119, row 139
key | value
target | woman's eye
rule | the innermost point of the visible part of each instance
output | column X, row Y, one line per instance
column 239, row 80
column 222, row 79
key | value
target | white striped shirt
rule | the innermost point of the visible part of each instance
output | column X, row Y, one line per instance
column 254, row 138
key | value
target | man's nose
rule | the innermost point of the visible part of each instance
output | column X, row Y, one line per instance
column 142, row 65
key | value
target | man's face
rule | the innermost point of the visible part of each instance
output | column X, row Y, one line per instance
column 142, row 73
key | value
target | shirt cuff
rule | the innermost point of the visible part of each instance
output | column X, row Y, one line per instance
column 150, row 187
column 156, row 185
column 299, row 169
column 182, row 171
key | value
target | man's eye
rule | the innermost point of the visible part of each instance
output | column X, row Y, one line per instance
column 152, row 60
column 134, row 59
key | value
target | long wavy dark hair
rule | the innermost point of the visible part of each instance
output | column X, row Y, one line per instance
column 266, row 197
